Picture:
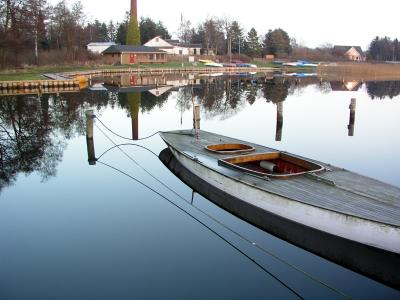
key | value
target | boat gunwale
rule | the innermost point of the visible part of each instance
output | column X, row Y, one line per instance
column 238, row 151
column 226, row 162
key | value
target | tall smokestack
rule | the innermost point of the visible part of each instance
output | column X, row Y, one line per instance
column 134, row 8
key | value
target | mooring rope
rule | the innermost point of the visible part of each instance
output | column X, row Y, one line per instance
column 208, row 227
column 201, row 211
column 123, row 137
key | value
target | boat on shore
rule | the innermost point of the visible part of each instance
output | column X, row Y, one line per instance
column 246, row 65
column 213, row 65
column 205, row 61
column 300, row 64
column 340, row 215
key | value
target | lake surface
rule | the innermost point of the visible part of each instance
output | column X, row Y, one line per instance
column 113, row 230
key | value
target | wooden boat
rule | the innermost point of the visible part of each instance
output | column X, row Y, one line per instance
column 356, row 217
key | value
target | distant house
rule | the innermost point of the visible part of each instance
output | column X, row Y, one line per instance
column 353, row 53
column 174, row 46
column 99, row 47
column 127, row 54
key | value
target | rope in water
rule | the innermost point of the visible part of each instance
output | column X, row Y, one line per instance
column 123, row 137
column 201, row 211
column 208, row 227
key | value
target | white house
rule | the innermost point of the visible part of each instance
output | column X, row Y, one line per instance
column 99, row 47
column 354, row 53
column 174, row 46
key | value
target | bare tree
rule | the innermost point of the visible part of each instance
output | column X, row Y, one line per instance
column 184, row 31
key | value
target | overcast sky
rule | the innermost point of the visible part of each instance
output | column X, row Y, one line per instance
column 310, row 22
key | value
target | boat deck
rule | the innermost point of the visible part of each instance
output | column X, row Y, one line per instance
column 335, row 189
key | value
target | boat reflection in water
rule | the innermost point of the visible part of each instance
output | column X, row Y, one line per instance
column 380, row 265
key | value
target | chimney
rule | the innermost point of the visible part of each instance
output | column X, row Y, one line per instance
column 134, row 9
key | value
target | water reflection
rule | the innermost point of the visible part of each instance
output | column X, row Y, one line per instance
column 35, row 132
column 34, row 129
column 342, row 251
column 383, row 89
column 350, row 86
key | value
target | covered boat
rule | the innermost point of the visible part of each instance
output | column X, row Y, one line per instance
column 213, row 65
column 343, row 216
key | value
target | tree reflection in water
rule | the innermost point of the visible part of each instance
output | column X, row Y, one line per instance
column 34, row 130
column 383, row 89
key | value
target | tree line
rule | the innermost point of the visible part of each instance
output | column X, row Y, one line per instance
column 222, row 36
column 384, row 49
column 35, row 32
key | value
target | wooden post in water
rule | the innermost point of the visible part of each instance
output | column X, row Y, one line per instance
column 279, row 121
column 196, row 117
column 352, row 121
column 89, row 137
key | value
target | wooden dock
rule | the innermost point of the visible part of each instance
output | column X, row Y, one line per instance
column 38, row 86
column 57, row 76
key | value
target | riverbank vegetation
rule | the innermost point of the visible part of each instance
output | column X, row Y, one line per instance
column 34, row 33
column 36, row 72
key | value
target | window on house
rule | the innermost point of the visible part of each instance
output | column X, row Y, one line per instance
column 157, row 40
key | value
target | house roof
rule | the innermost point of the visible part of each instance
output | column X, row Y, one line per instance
column 185, row 45
column 173, row 42
column 162, row 43
column 129, row 48
column 342, row 50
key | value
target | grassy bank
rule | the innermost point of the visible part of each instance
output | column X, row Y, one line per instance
column 359, row 71
column 35, row 73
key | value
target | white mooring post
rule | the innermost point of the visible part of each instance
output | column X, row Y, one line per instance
column 89, row 137
column 352, row 121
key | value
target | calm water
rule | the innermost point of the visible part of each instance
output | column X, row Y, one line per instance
column 69, row 230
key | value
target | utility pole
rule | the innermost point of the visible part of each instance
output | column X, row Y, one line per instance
column 230, row 49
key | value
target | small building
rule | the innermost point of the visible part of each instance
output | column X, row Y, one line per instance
column 99, row 47
column 174, row 46
column 353, row 53
column 269, row 57
column 128, row 55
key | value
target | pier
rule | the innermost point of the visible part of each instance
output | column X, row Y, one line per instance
column 38, row 86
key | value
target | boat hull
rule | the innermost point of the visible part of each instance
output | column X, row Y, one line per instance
column 375, row 263
column 356, row 229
